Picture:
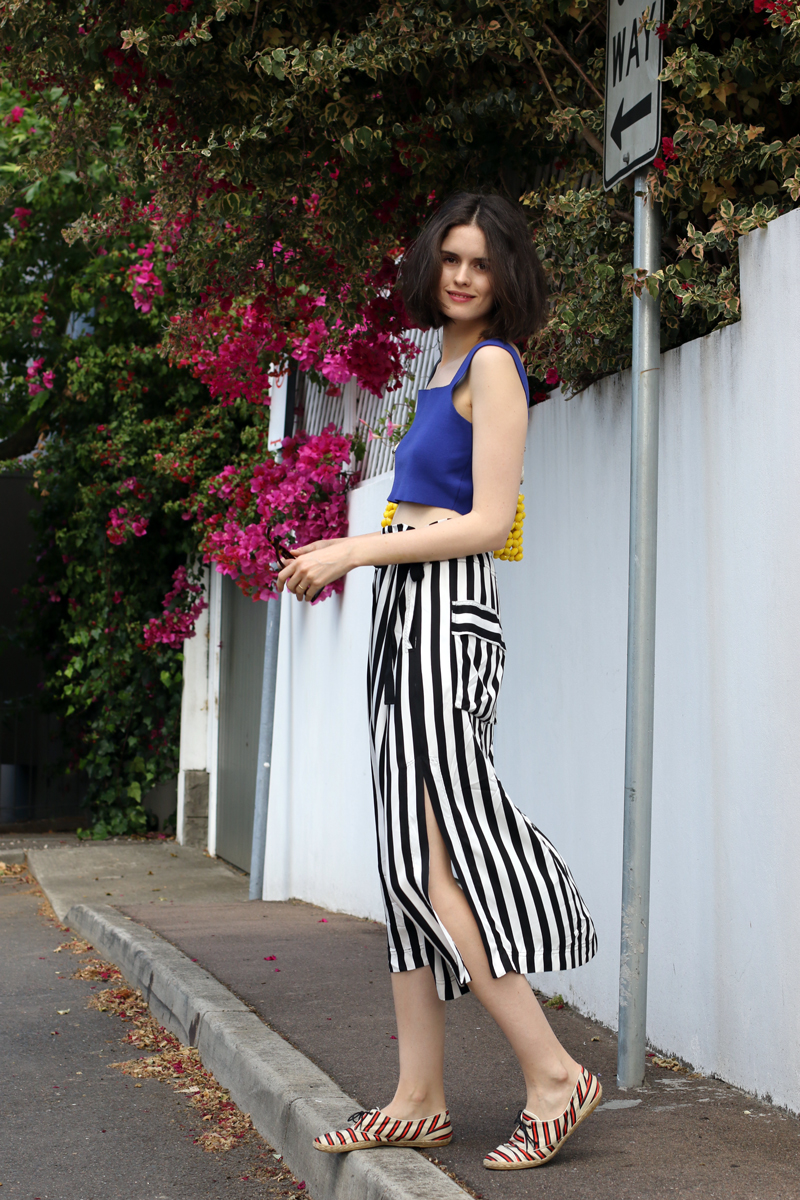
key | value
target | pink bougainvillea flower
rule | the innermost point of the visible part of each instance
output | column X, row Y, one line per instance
column 182, row 606
column 298, row 499
column 15, row 116
column 552, row 377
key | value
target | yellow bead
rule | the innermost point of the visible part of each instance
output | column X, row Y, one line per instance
column 512, row 551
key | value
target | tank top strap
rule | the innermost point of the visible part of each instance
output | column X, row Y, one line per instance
column 512, row 350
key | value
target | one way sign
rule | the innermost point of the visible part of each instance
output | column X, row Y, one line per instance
column 634, row 55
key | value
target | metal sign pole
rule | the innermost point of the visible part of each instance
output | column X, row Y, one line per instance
column 641, row 647
column 634, row 58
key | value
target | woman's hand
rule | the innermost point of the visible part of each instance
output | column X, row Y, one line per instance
column 314, row 566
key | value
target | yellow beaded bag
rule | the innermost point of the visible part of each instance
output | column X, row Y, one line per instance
column 511, row 552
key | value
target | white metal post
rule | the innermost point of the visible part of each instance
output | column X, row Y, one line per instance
column 277, row 431
column 264, row 771
column 214, row 639
column 641, row 648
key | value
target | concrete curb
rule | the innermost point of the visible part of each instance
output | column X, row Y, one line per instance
column 290, row 1100
column 13, row 857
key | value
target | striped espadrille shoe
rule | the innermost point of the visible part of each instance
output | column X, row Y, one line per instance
column 368, row 1130
column 534, row 1142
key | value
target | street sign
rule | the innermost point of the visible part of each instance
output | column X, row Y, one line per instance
column 634, row 55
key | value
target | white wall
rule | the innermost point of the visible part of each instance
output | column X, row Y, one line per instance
column 321, row 833
column 193, row 752
column 725, row 917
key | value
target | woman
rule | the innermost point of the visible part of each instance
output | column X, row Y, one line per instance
column 475, row 895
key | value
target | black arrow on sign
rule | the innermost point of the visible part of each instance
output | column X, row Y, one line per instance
column 642, row 109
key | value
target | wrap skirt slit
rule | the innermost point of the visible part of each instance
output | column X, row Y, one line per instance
column 435, row 667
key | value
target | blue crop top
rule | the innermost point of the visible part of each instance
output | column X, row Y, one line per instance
column 433, row 463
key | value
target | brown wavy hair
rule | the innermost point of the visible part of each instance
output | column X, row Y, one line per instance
column 518, row 282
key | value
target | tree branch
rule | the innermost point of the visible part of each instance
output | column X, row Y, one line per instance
column 586, row 133
column 570, row 59
column 597, row 16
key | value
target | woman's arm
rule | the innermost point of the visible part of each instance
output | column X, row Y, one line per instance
column 499, row 426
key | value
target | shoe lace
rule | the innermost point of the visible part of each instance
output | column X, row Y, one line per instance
column 359, row 1116
column 522, row 1126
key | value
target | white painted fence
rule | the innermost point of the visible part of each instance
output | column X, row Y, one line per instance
column 725, row 934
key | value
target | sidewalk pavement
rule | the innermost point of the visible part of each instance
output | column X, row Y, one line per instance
column 327, row 993
column 133, row 872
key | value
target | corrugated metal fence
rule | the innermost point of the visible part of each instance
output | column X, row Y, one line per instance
column 354, row 409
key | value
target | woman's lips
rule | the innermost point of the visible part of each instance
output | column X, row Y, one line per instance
column 460, row 297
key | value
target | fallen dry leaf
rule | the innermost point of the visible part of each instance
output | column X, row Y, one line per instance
column 175, row 1064
column 47, row 911
column 181, row 1068
column 95, row 968
column 13, row 869
column 77, row 946
column 670, row 1064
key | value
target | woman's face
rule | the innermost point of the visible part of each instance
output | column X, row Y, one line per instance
column 465, row 288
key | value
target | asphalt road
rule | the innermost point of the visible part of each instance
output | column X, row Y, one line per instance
column 71, row 1128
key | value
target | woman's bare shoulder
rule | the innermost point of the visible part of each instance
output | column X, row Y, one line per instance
column 492, row 365
column 494, row 356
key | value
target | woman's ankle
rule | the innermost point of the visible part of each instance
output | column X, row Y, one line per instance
column 416, row 1103
column 550, row 1092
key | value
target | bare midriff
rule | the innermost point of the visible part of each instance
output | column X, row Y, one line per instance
column 418, row 515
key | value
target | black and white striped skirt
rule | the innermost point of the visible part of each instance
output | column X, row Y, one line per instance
column 435, row 666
